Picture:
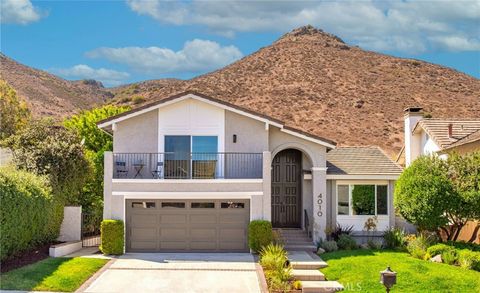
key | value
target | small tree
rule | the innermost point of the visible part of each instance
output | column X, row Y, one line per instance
column 464, row 172
column 47, row 149
column 424, row 195
column 14, row 113
column 95, row 142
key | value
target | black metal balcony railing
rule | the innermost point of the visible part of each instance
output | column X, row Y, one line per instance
column 187, row 165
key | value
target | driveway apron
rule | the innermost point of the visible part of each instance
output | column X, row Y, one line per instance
column 179, row 272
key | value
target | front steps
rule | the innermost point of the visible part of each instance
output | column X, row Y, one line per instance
column 296, row 240
column 306, row 268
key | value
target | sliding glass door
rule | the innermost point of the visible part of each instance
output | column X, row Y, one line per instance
column 190, row 156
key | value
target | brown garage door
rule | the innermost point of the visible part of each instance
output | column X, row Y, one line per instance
column 187, row 225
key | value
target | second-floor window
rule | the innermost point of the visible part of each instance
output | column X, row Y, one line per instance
column 186, row 144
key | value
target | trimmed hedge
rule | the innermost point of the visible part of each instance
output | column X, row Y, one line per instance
column 439, row 249
column 29, row 214
column 112, row 234
column 259, row 234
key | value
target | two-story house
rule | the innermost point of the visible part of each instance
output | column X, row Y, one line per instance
column 189, row 172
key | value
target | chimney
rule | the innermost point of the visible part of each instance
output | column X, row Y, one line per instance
column 450, row 130
column 412, row 142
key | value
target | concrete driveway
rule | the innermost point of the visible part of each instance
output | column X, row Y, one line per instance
column 179, row 272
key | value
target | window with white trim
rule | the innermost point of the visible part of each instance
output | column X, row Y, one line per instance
column 362, row 199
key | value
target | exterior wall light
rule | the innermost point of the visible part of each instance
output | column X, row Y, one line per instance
column 388, row 278
column 234, row 138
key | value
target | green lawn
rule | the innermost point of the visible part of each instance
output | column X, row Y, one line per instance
column 52, row 274
column 359, row 270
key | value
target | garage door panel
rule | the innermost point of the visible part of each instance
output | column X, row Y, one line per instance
column 207, row 233
column 173, row 233
column 144, row 245
column 237, row 219
column 203, row 245
column 143, row 234
column 137, row 220
column 232, row 246
column 174, row 245
column 203, row 219
column 232, row 234
column 173, row 219
column 189, row 225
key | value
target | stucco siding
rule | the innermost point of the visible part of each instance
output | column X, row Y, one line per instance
column 137, row 135
column 279, row 140
column 184, row 186
column 251, row 134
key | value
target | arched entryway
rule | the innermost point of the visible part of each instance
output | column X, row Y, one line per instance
column 287, row 189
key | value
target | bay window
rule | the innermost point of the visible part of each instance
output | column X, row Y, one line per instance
column 362, row 199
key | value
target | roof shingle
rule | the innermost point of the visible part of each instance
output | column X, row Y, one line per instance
column 360, row 161
column 437, row 129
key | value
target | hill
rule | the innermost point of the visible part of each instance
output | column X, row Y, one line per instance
column 50, row 95
column 316, row 82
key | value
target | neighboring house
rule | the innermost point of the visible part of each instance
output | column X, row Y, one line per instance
column 424, row 136
column 190, row 172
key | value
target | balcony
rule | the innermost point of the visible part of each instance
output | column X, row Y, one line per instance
column 187, row 165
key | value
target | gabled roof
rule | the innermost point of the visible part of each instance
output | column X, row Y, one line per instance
column 437, row 129
column 360, row 161
column 473, row 137
column 104, row 124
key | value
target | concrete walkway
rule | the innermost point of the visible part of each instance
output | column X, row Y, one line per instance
column 179, row 272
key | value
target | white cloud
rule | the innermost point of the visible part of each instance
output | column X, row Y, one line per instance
column 108, row 77
column 195, row 56
column 412, row 26
column 18, row 11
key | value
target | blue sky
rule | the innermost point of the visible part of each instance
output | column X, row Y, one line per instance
column 119, row 42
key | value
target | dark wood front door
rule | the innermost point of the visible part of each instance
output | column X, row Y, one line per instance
column 286, row 189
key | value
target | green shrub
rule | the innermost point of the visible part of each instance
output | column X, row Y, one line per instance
column 112, row 235
column 329, row 246
column 138, row 100
column 439, row 249
column 259, row 234
column 346, row 242
column 469, row 259
column 449, row 256
column 29, row 214
column 273, row 257
column 372, row 244
column 394, row 238
column 464, row 245
column 418, row 247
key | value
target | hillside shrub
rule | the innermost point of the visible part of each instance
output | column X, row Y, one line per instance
column 417, row 247
column 394, row 238
column 346, row 242
column 468, row 259
column 29, row 214
column 449, row 256
column 112, row 237
column 259, row 234
column 439, row 249
column 464, row 245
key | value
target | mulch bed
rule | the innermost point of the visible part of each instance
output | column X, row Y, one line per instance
column 26, row 257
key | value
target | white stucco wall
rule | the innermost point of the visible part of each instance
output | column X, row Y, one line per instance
column 191, row 117
column 71, row 228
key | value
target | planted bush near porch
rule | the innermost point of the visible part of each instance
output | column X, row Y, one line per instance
column 29, row 214
column 259, row 234
column 112, row 237
column 273, row 259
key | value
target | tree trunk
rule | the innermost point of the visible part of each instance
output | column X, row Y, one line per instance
column 474, row 234
column 459, row 228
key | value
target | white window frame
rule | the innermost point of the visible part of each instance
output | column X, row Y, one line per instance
column 350, row 205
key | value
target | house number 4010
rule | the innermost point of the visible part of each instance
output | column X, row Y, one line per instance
column 320, row 202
